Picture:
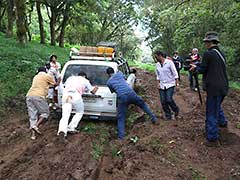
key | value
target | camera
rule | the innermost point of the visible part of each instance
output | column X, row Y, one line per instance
column 186, row 64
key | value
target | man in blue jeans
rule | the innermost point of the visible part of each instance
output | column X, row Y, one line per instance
column 126, row 95
column 215, row 83
column 167, row 77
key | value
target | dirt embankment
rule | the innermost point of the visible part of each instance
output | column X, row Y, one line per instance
column 172, row 150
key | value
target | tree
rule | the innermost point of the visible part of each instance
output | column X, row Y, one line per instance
column 3, row 4
column 21, row 20
column 64, row 24
column 11, row 17
column 40, row 22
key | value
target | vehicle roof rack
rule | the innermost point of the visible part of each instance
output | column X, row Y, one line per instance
column 107, row 44
column 92, row 53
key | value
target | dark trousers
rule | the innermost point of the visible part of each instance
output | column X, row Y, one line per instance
column 166, row 98
column 214, row 117
column 192, row 80
column 178, row 71
column 123, row 102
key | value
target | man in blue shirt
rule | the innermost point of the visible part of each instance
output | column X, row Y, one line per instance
column 126, row 95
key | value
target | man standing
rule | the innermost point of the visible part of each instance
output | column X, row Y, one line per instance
column 167, row 77
column 75, row 86
column 36, row 100
column 215, row 83
column 126, row 95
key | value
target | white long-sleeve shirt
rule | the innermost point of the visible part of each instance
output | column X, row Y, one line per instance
column 166, row 74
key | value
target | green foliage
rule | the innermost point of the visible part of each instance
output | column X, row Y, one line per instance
column 97, row 150
column 100, row 142
column 115, row 151
column 132, row 117
column 18, row 65
column 156, row 145
column 147, row 66
column 238, row 125
column 90, row 128
column 181, row 25
column 196, row 175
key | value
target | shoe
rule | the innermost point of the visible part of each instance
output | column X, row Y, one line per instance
column 155, row 122
column 33, row 137
column 62, row 135
column 167, row 118
column 62, row 138
column 223, row 126
column 214, row 143
column 36, row 130
column 176, row 114
column 73, row 131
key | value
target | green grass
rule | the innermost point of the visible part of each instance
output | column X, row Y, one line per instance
column 196, row 175
column 147, row 66
column 101, row 141
column 234, row 85
column 18, row 65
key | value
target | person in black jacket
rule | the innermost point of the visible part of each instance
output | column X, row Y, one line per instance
column 215, row 82
column 177, row 60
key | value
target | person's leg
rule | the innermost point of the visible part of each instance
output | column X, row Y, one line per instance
column 164, row 103
column 137, row 100
column 178, row 71
column 32, row 112
column 66, row 112
column 170, row 101
column 122, row 110
column 43, row 110
column 190, row 77
column 79, row 106
column 195, row 81
column 211, row 118
column 222, row 121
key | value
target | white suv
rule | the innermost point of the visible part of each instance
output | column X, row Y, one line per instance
column 102, row 105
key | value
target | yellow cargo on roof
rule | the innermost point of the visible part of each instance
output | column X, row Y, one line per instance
column 103, row 50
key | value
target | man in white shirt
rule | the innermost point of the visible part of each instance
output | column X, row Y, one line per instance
column 167, row 77
column 75, row 86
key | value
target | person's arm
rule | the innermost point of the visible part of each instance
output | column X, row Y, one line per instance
column 201, row 67
column 50, row 80
column 110, row 87
column 92, row 89
column 157, row 77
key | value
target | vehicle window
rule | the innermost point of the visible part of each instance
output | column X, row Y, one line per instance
column 96, row 74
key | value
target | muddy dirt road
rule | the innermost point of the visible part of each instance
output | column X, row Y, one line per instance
column 172, row 150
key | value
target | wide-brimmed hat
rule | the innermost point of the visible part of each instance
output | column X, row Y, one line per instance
column 211, row 36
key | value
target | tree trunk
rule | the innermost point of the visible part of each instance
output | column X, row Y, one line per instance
column 21, row 21
column 53, row 20
column 2, row 13
column 64, row 24
column 40, row 22
column 10, row 17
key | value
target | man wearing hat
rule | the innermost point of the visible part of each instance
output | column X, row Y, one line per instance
column 215, row 83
